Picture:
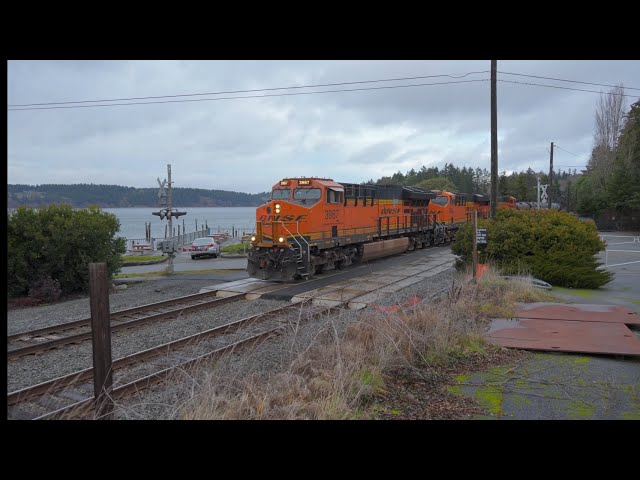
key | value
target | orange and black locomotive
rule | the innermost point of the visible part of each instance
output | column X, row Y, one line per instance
column 315, row 224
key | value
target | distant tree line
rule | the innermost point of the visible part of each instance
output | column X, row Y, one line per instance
column 114, row 196
column 521, row 185
column 610, row 182
column 612, row 178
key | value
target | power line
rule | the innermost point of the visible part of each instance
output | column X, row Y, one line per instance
column 281, row 94
column 247, row 91
column 308, row 86
column 564, row 88
column 250, row 96
column 565, row 80
column 572, row 153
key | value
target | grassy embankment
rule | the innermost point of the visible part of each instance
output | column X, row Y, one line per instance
column 140, row 258
column 349, row 375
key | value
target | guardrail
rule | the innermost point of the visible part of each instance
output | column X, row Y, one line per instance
column 188, row 238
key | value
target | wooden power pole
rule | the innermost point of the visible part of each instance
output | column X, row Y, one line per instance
column 169, row 215
column 494, row 140
column 550, row 174
column 474, row 253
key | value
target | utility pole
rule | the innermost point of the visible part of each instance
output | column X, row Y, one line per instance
column 550, row 174
column 538, row 178
column 169, row 214
column 474, row 253
column 494, row 140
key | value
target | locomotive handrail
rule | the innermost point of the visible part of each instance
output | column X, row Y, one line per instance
column 294, row 237
column 304, row 240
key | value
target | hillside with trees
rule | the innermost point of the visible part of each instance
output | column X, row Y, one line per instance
column 612, row 179
column 607, row 189
column 115, row 196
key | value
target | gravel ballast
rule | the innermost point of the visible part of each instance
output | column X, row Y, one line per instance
column 272, row 355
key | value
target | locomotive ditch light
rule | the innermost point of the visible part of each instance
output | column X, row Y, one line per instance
column 281, row 239
column 253, row 239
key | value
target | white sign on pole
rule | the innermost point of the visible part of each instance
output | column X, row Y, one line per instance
column 544, row 198
column 162, row 193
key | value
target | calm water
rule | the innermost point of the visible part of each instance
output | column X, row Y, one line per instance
column 132, row 220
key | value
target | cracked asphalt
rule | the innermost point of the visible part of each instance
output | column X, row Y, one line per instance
column 564, row 386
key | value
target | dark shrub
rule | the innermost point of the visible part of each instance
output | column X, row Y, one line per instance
column 46, row 290
column 553, row 246
column 59, row 242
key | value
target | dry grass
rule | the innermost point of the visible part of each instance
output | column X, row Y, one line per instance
column 339, row 373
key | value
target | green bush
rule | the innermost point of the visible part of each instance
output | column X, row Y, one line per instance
column 553, row 246
column 58, row 242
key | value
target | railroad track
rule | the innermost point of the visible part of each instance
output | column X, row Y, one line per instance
column 77, row 387
column 55, row 336
column 54, row 396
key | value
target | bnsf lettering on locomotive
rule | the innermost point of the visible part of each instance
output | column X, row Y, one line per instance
column 390, row 211
column 283, row 218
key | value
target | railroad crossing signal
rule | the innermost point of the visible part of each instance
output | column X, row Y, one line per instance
column 162, row 192
column 544, row 198
column 165, row 212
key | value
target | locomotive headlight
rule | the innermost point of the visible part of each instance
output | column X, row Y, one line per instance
column 277, row 206
column 277, row 210
column 253, row 239
column 281, row 239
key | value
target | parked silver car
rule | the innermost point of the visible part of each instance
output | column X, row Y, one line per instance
column 205, row 246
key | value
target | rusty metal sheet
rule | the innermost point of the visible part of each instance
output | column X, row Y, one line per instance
column 564, row 336
column 581, row 312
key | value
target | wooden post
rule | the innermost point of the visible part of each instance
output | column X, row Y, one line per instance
column 494, row 141
column 475, row 243
column 101, row 338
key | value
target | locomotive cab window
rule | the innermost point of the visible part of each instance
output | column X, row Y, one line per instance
column 334, row 196
column 307, row 196
column 440, row 200
column 281, row 194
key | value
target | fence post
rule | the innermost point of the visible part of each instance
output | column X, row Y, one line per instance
column 101, row 338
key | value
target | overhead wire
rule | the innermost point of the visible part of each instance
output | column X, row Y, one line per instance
column 566, row 80
column 250, row 90
column 564, row 88
column 248, row 96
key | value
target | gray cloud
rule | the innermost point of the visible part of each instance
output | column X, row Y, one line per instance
column 376, row 153
column 248, row 144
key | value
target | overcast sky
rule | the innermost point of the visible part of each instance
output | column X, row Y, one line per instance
column 249, row 144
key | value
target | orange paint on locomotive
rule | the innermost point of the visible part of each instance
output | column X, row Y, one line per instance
column 451, row 208
column 321, row 210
